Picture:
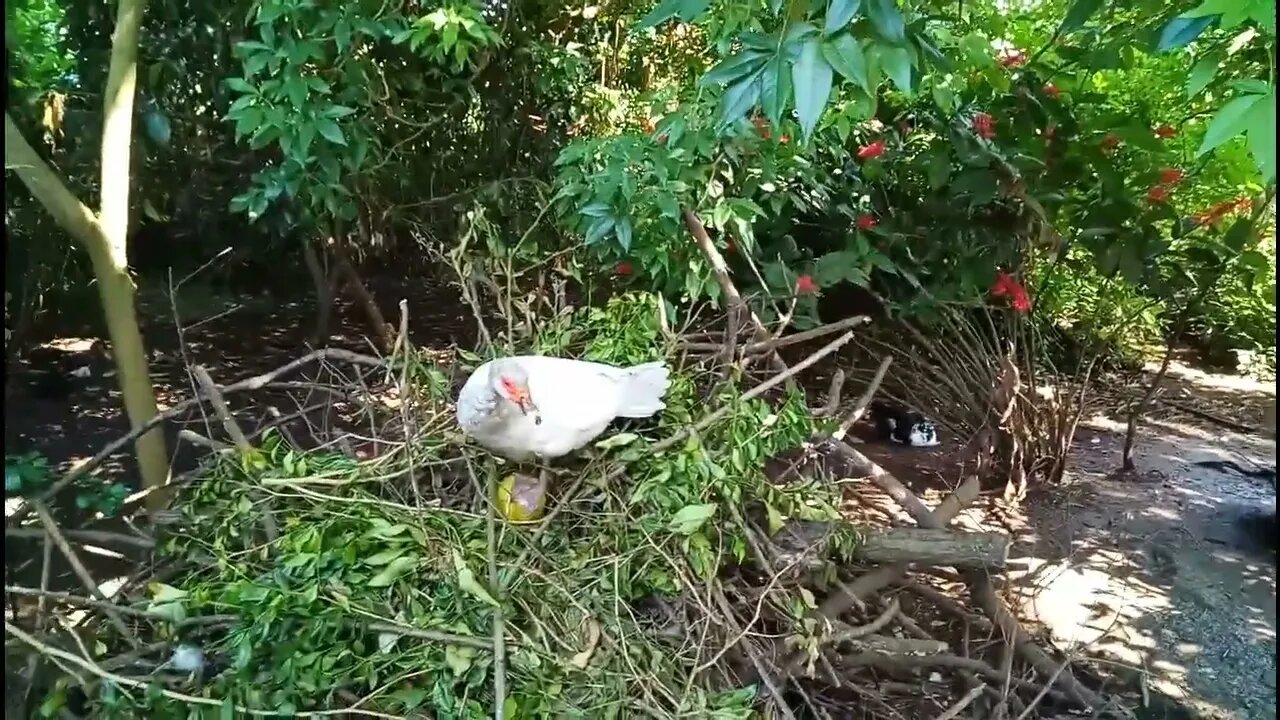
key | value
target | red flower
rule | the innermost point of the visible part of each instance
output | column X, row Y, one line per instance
column 1111, row 141
column 874, row 150
column 623, row 268
column 1169, row 176
column 1164, row 132
column 1244, row 204
column 649, row 125
column 984, row 126
column 1050, row 132
column 867, row 222
column 1051, row 90
column 784, row 139
column 806, row 285
column 1158, row 194
column 1008, row 286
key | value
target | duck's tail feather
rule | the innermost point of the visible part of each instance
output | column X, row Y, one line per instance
column 643, row 389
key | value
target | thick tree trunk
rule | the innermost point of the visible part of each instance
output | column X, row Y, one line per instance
column 105, row 236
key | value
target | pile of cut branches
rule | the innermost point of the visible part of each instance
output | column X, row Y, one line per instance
column 358, row 568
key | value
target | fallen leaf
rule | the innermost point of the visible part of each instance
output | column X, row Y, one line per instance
column 468, row 583
column 618, row 440
column 582, row 659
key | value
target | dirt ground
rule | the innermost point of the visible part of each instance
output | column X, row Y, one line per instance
column 1156, row 582
column 1168, row 578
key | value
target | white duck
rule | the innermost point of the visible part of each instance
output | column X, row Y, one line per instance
column 533, row 406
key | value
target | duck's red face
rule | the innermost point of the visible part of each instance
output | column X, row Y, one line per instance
column 518, row 393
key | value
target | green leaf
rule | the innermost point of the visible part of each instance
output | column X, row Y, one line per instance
column 1261, row 128
column 596, row 210
column 467, row 581
column 811, row 76
column 666, row 10
column 896, row 62
column 330, row 131
column 775, row 88
column 690, row 10
column 733, row 68
column 1230, row 121
column 393, row 571
column 1251, row 86
column 1202, row 74
column 844, row 53
column 775, row 520
column 240, row 85
column 1181, row 31
column 887, row 20
column 839, row 13
column 1078, row 15
column 458, row 658
column 384, row 557
column 740, row 97
column 622, row 232
column 690, row 518
column 598, row 229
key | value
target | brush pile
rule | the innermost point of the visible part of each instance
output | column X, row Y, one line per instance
column 714, row 562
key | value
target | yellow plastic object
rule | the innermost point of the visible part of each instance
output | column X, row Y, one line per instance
column 521, row 498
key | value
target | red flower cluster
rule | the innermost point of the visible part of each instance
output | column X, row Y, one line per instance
column 623, row 268
column 1051, row 90
column 984, row 126
column 867, row 222
column 1165, row 132
column 1222, row 209
column 1168, row 177
column 806, row 285
column 1111, row 141
column 873, row 150
column 1008, row 286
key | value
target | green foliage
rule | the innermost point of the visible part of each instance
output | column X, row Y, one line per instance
column 39, row 55
column 924, row 159
column 30, row 474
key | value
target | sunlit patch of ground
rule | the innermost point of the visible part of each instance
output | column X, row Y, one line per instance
column 1159, row 576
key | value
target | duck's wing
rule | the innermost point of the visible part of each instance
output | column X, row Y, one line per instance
column 577, row 394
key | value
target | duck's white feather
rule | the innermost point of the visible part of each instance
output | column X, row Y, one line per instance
column 576, row 400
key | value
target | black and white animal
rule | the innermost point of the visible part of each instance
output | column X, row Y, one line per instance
column 906, row 427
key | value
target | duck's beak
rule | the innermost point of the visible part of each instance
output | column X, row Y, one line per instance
column 524, row 401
